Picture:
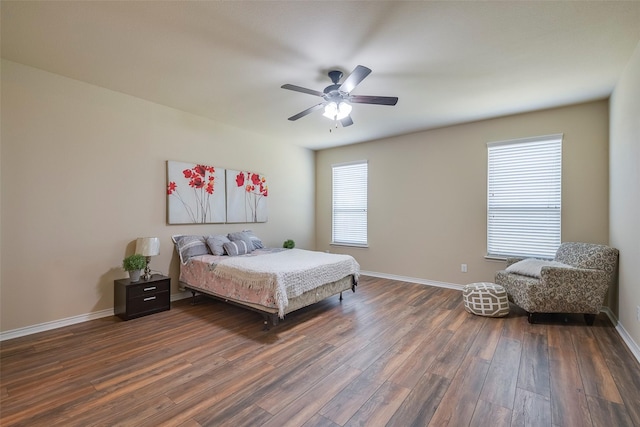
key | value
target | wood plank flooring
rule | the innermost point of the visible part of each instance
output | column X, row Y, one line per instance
column 393, row 353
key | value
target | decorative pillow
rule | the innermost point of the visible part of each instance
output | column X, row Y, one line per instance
column 238, row 247
column 189, row 246
column 257, row 242
column 241, row 236
column 532, row 267
column 215, row 243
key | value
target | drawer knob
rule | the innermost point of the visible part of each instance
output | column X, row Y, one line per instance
column 151, row 288
column 149, row 299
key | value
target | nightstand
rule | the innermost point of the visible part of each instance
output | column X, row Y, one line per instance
column 137, row 299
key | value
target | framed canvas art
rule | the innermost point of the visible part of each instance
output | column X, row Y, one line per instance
column 247, row 194
column 195, row 194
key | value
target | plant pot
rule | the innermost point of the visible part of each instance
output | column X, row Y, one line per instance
column 134, row 275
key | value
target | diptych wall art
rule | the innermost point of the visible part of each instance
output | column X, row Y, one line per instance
column 195, row 194
column 246, row 197
column 202, row 194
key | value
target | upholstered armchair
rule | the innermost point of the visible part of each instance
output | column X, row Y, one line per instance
column 576, row 281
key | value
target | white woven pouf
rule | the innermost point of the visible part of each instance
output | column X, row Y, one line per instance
column 485, row 299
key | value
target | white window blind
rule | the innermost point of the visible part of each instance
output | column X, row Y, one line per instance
column 524, row 197
column 349, row 223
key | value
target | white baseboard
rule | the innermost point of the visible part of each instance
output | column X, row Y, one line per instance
column 413, row 280
column 47, row 326
column 631, row 344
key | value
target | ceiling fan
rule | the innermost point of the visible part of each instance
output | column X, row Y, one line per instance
column 337, row 98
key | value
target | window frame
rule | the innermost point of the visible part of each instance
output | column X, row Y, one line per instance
column 536, row 197
column 358, row 236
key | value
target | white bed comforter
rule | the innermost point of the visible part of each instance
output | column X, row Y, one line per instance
column 288, row 273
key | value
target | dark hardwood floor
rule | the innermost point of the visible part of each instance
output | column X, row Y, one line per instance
column 393, row 353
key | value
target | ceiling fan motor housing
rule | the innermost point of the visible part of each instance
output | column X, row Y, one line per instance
column 335, row 76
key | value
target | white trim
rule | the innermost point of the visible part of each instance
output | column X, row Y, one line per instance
column 55, row 324
column 351, row 245
column 413, row 280
column 551, row 137
column 47, row 326
column 631, row 344
column 354, row 162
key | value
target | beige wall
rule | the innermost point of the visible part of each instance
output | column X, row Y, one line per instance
column 427, row 192
column 84, row 174
column 625, row 192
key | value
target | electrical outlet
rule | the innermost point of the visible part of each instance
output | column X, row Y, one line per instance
column 463, row 268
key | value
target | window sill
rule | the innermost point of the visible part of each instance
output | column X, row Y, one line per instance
column 351, row 245
column 504, row 258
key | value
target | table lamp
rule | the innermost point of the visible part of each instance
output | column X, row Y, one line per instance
column 148, row 247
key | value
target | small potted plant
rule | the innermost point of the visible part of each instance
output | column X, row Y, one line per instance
column 134, row 264
column 289, row 244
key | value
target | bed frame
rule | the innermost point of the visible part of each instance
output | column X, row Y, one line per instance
column 270, row 314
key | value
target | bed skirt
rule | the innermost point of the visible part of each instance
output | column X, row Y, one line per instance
column 270, row 314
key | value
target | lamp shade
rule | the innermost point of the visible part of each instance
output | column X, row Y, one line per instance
column 148, row 246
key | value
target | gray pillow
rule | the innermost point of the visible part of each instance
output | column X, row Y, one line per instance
column 215, row 244
column 189, row 246
column 257, row 242
column 238, row 247
column 241, row 236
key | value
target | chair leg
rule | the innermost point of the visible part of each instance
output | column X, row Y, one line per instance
column 530, row 318
column 589, row 318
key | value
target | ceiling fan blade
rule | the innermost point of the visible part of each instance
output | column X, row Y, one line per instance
column 354, row 79
column 302, row 89
column 379, row 100
column 347, row 121
column 307, row 111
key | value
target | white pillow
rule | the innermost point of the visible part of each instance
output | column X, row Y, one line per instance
column 532, row 267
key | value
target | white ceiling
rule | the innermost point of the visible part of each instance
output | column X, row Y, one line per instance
column 448, row 62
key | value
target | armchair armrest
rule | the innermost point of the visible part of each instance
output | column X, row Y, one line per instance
column 584, row 277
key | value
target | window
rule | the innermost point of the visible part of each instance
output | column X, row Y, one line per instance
column 524, row 197
column 349, row 201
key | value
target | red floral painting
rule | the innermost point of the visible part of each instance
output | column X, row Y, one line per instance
column 195, row 193
column 247, row 194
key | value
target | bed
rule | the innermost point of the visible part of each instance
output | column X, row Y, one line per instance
column 270, row 281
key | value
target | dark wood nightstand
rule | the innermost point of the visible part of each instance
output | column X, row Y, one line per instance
column 137, row 299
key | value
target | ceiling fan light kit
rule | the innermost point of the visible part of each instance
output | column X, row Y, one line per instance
column 337, row 98
column 335, row 111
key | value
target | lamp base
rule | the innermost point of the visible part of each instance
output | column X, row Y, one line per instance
column 147, row 270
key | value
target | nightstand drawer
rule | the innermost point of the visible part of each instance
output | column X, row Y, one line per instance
column 143, row 304
column 150, row 288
